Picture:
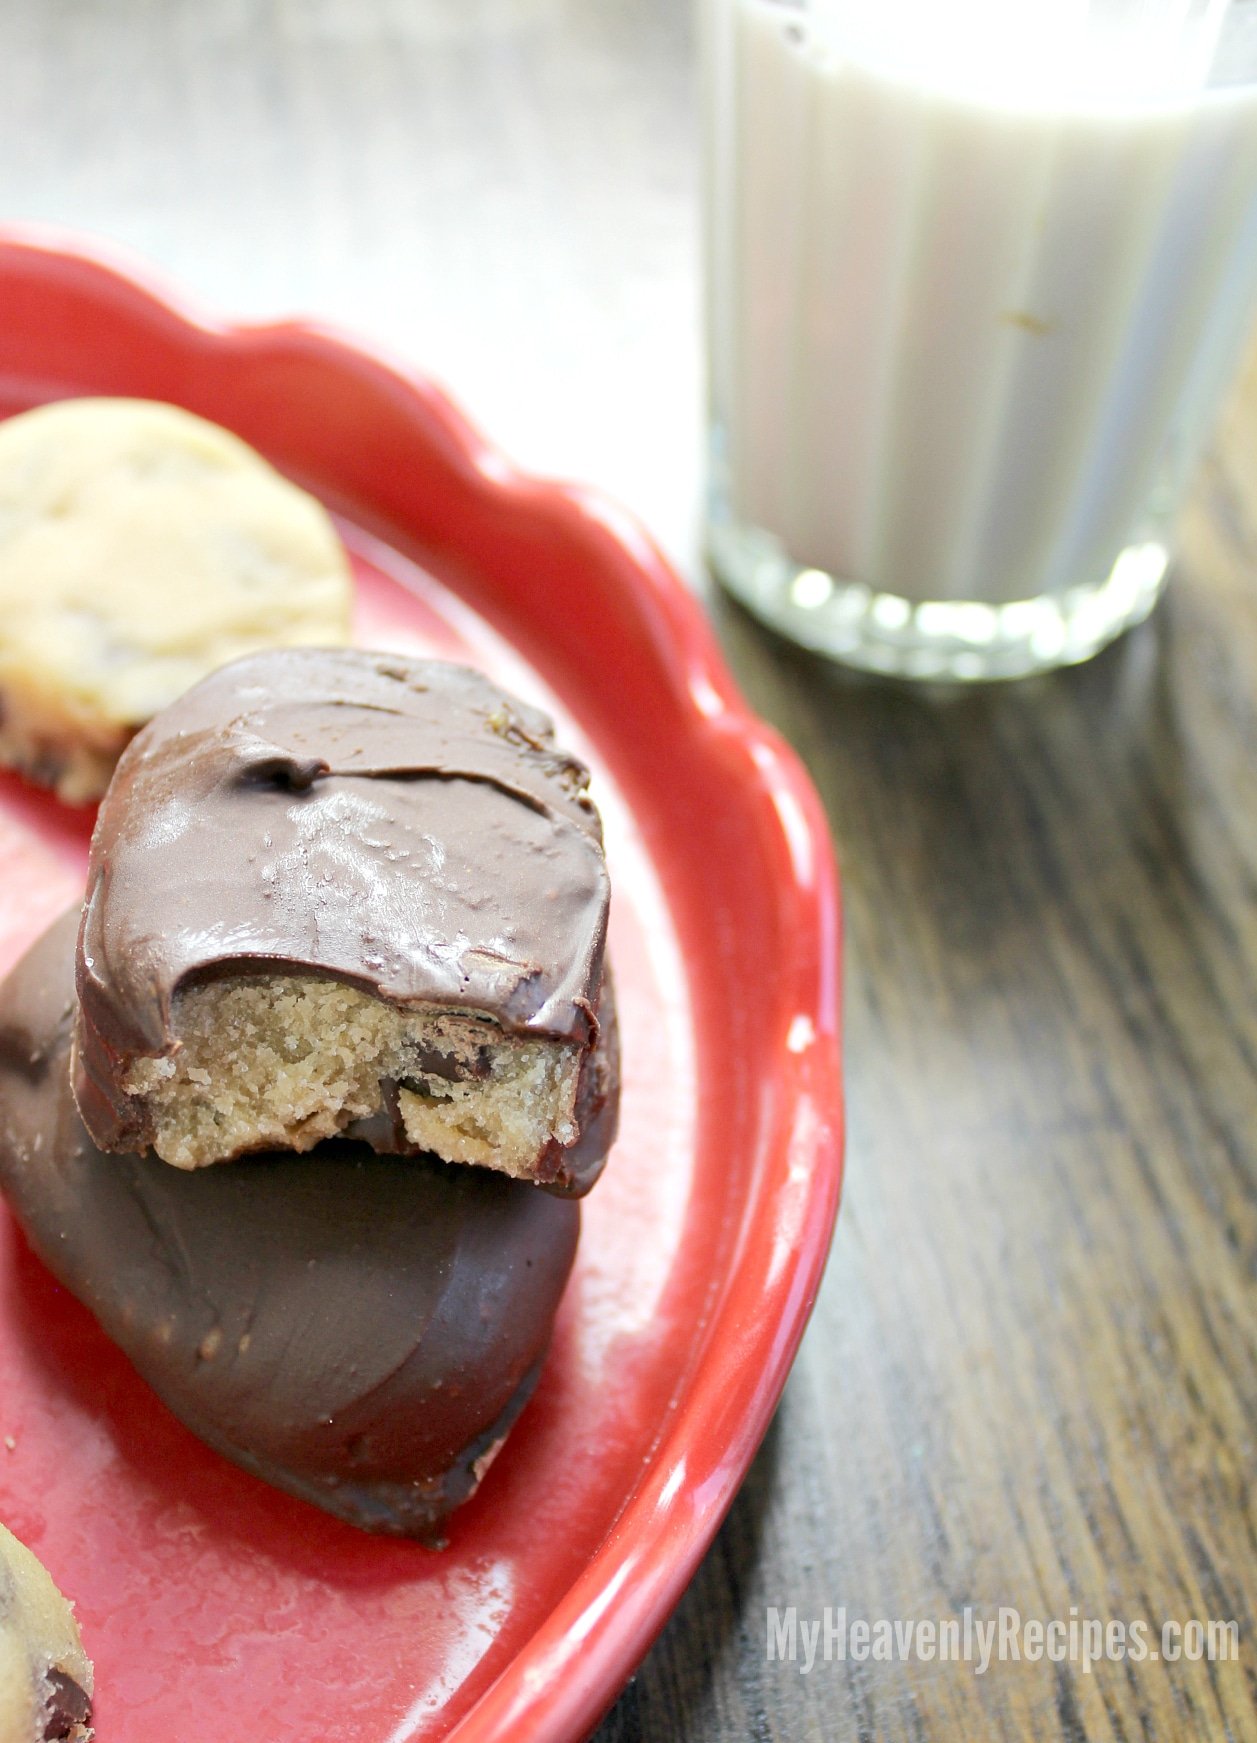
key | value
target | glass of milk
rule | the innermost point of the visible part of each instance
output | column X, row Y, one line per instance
column 977, row 276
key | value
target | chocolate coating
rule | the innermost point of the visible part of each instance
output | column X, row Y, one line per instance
column 398, row 824
column 357, row 1330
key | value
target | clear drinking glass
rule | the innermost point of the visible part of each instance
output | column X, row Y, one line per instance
column 977, row 276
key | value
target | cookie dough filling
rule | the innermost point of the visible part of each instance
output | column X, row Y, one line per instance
column 287, row 1060
column 333, row 892
column 45, row 1676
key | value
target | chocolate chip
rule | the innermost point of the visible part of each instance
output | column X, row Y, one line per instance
column 430, row 1062
column 67, row 1707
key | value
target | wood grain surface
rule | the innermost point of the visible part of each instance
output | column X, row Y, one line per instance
column 1031, row 1379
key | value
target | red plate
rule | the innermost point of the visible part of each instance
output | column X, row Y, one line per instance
column 215, row 1607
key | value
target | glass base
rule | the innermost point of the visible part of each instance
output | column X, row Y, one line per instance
column 948, row 640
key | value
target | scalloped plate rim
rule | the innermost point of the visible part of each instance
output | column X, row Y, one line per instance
column 575, row 1664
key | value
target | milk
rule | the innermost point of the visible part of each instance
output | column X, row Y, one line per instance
column 964, row 343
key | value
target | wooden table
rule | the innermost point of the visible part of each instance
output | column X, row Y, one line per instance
column 1031, row 1376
